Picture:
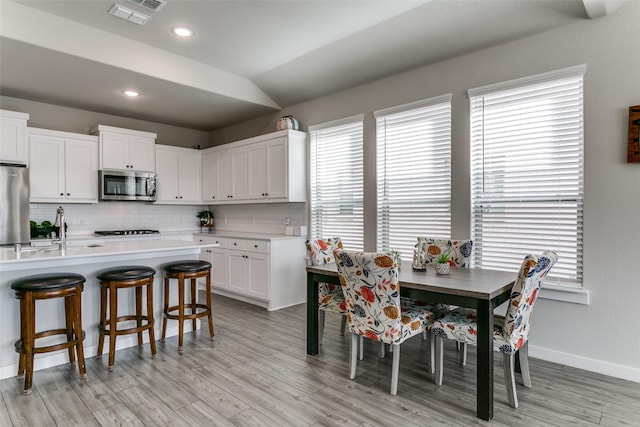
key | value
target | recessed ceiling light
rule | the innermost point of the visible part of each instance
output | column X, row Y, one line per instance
column 183, row 32
column 131, row 93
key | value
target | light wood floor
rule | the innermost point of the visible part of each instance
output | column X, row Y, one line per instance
column 256, row 372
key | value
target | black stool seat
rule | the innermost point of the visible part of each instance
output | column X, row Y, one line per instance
column 188, row 266
column 129, row 272
column 47, row 282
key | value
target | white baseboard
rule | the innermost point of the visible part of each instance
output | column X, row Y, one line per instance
column 593, row 365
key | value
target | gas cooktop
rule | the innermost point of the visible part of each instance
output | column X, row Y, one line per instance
column 125, row 232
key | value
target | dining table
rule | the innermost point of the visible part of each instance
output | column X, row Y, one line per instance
column 477, row 288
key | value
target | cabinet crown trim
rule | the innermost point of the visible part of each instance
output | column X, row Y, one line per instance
column 105, row 128
column 14, row 115
column 61, row 134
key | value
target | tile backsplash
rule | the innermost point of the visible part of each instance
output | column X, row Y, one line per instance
column 85, row 219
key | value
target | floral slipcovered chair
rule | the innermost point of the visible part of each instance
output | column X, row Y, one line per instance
column 510, row 332
column 426, row 251
column 320, row 252
column 372, row 296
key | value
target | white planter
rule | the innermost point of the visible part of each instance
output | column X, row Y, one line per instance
column 442, row 268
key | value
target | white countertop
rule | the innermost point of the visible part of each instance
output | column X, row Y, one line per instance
column 82, row 250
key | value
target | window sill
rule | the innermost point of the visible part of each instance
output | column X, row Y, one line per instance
column 576, row 295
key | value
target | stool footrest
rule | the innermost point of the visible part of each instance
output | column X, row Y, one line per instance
column 147, row 325
column 189, row 316
column 19, row 345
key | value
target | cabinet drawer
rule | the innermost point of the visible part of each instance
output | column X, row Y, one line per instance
column 219, row 240
column 237, row 244
column 261, row 246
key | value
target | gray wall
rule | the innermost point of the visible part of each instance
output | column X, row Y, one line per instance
column 56, row 117
column 600, row 336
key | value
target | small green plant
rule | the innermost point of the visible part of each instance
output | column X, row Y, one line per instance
column 442, row 258
column 395, row 253
column 205, row 214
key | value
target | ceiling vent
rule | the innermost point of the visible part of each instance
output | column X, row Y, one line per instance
column 154, row 5
column 128, row 14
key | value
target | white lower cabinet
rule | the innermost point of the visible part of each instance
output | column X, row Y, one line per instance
column 261, row 272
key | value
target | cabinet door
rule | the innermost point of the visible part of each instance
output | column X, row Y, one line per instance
column 115, row 150
column 237, row 271
column 257, row 172
column 13, row 142
column 276, row 168
column 46, row 169
column 81, row 171
column 210, row 177
column 189, row 178
column 258, row 280
column 142, row 155
column 219, row 268
column 223, row 176
column 238, row 173
column 167, row 185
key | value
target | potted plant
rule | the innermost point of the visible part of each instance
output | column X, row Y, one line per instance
column 206, row 218
column 442, row 264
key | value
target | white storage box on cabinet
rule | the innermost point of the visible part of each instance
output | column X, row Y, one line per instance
column 63, row 167
column 179, row 177
column 13, row 137
column 126, row 149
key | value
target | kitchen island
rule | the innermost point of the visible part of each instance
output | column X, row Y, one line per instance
column 84, row 258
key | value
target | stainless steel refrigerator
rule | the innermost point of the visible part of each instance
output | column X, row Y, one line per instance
column 14, row 205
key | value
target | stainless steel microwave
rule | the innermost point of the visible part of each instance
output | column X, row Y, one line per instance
column 127, row 185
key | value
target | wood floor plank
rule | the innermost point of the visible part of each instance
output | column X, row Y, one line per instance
column 257, row 373
column 117, row 415
column 26, row 410
column 63, row 405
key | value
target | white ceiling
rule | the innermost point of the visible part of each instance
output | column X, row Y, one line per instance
column 246, row 58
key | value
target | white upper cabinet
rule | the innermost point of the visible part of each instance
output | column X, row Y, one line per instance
column 268, row 168
column 179, row 177
column 126, row 149
column 63, row 167
column 13, row 137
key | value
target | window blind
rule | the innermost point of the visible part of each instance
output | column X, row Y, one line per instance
column 414, row 174
column 336, row 168
column 527, row 174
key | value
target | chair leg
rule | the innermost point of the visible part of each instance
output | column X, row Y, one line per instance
column 343, row 325
column 113, row 325
column 509, row 378
column 462, row 354
column 150, row 319
column 381, row 351
column 524, row 364
column 431, row 351
column 165, row 308
column 103, row 320
column 210, row 307
column 439, row 360
column 395, row 368
column 77, row 322
column 360, row 347
column 352, row 355
column 320, row 326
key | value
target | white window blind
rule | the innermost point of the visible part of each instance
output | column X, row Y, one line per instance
column 414, row 174
column 527, row 172
column 336, row 170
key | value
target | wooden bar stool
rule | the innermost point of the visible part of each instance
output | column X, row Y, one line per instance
column 112, row 279
column 182, row 270
column 47, row 286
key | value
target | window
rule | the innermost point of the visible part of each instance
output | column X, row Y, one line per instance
column 527, row 171
column 336, row 171
column 414, row 173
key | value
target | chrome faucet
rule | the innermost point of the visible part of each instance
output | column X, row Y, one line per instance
column 59, row 222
